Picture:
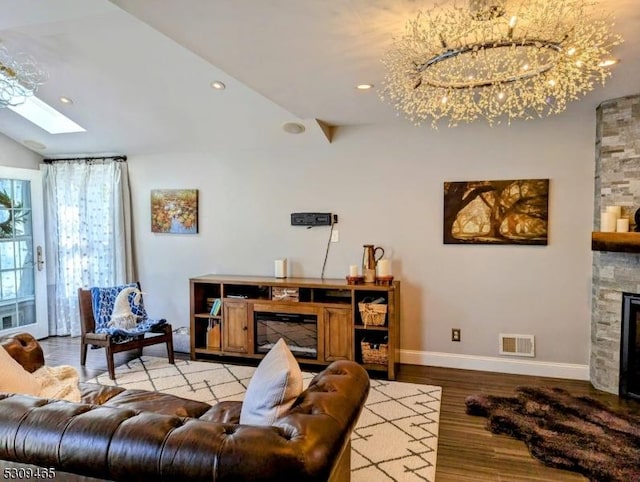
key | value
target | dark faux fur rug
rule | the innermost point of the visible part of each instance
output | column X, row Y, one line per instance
column 572, row 433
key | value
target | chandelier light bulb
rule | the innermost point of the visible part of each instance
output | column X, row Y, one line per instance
column 451, row 63
column 608, row 62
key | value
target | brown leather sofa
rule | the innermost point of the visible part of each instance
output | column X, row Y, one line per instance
column 137, row 435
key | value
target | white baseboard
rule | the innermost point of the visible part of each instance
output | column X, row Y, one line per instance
column 493, row 364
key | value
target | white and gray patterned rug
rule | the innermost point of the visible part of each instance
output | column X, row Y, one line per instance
column 396, row 438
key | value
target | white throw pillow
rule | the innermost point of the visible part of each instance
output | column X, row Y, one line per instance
column 14, row 378
column 273, row 388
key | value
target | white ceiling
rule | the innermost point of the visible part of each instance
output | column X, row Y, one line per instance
column 139, row 71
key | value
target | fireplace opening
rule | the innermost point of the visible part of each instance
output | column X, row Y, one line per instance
column 299, row 331
column 630, row 346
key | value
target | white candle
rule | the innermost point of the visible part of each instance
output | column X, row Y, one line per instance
column 616, row 210
column 622, row 225
column 281, row 268
column 353, row 270
column 607, row 222
column 384, row 267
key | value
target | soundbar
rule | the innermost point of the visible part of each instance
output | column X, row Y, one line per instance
column 311, row 219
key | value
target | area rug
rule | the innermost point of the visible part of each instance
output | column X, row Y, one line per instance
column 396, row 438
column 576, row 433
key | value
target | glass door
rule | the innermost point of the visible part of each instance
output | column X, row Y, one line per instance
column 23, row 283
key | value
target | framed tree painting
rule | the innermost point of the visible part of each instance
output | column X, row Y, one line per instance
column 174, row 211
column 496, row 212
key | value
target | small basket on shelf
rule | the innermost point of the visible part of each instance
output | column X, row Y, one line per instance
column 374, row 352
column 373, row 314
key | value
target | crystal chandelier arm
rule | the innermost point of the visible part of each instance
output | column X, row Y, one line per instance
column 538, row 43
column 470, row 49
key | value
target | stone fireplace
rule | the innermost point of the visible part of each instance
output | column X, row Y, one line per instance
column 617, row 182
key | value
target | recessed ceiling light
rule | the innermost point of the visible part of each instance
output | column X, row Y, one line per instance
column 608, row 62
column 66, row 100
column 293, row 127
column 364, row 86
column 216, row 84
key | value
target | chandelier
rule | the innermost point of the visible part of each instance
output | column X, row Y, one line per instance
column 497, row 60
column 20, row 77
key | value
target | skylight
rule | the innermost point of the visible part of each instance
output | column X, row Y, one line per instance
column 45, row 116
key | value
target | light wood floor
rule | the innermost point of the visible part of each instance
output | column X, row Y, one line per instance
column 466, row 450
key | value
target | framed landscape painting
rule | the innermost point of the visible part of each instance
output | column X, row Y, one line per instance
column 496, row 212
column 174, row 211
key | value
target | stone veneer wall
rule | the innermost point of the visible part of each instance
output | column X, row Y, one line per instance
column 617, row 182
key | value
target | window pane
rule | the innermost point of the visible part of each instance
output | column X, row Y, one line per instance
column 22, row 222
column 6, row 186
column 6, row 222
column 23, row 250
column 7, row 255
column 24, row 283
column 27, row 312
column 8, row 285
column 22, row 194
column 8, row 317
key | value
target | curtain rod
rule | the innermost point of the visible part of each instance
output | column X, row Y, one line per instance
column 102, row 158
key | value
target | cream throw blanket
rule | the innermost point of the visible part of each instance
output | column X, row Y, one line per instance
column 59, row 382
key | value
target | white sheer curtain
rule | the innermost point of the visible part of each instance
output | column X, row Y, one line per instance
column 88, row 233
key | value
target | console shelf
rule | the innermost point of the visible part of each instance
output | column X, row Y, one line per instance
column 371, row 328
column 337, row 329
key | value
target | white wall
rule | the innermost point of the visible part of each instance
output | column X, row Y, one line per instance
column 386, row 185
column 13, row 154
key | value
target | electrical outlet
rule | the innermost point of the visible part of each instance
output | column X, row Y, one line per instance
column 455, row 334
column 335, row 236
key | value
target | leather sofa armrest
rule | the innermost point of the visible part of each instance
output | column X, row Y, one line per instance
column 25, row 349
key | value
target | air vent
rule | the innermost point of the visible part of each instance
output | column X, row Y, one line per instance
column 518, row 345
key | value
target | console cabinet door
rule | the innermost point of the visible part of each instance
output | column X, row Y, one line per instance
column 338, row 335
column 235, row 327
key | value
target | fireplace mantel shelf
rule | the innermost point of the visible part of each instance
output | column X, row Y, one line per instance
column 616, row 242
